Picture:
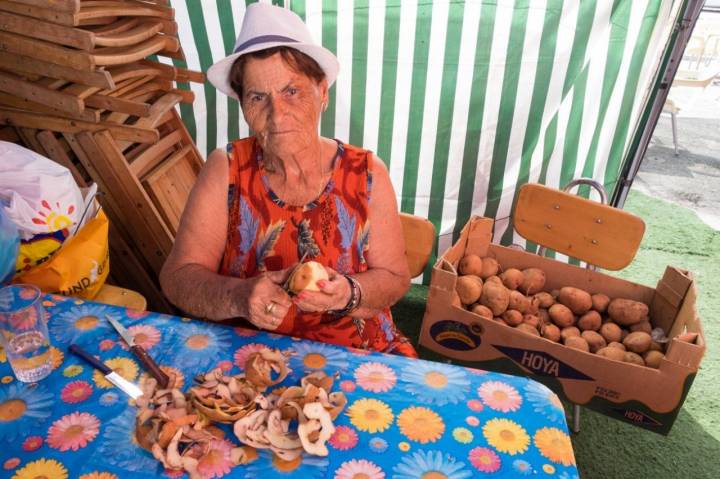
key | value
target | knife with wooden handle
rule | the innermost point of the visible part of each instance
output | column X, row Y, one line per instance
column 148, row 363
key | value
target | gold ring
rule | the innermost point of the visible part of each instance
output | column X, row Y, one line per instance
column 269, row 308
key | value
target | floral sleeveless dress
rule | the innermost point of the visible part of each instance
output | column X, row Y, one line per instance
column 265, row 234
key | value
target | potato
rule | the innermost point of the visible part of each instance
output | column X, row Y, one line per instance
column 494, row 279
column 496, row 297
column 512, row 278
column 555, row 293
column 526, row 328
column 498, row 319
column 653, row 358
column 578, row 300
column 519, row 302
column 617, row 345
column 612, row 353
column 469, row 288
column 561, row 315
column 611, row 332
column 569, row 332
column 534, row 306
column 546, row 299
column 600, row 302
column 594, row 340
column 643, row 326
column 470, row 264
column 512, row 317
column 490, row 267
column 590, row 321
column 305, row 278
column 483, row 311
column 576, row 342
column 655, row 346
column 544, row 316
column 532, row 320
column 637, row 342
column 533, row 280
column 626, row 312
column 551, row 332
column 634, row 358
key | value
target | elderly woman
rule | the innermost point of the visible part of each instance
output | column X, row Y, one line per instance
column 264, row 202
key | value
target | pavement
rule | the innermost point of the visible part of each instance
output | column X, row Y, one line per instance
column 691, row 178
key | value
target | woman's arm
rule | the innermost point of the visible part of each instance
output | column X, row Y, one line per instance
column 189, row 277
column 387, row 278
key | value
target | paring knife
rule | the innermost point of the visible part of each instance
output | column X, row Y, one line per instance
column 148, row 363
column 286, row 284
column 126, row 386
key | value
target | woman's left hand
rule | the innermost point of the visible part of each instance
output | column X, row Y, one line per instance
column 334, row 294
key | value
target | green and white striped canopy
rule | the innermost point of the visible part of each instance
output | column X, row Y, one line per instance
column 465, row 101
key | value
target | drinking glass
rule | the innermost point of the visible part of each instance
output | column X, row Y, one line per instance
column 24, row 333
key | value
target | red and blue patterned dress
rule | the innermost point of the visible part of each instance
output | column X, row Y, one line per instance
column 265, row 234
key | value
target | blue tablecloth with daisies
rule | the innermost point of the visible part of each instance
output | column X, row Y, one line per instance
column 404, row 419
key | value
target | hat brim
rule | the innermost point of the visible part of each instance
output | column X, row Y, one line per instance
column 219, row 73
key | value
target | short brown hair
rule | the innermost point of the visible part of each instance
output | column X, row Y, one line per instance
column 296, row 59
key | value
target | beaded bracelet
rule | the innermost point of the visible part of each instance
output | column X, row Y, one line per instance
column 355, row 298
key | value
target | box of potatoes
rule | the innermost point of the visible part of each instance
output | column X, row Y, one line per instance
column 623, row 349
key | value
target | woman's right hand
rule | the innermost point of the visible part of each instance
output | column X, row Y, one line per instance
column 263, row 302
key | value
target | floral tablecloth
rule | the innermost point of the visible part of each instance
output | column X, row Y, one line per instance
column 404, row 419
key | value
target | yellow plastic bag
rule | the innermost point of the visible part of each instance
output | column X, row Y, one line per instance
column 81, row 265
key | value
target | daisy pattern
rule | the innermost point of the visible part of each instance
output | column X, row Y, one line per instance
column 310, row 357
column 125, row 367
column 355, row 469
column 462, row 435
column 216, row 462
column 269, row 466
column 554, row 445
column 484, row 459
column 435, row 383
column 47, row 468
column 500, row 396
column 378, row 444
column 347, row 386
column 32, row 443
column 72, row 370
column 195, row 347
column 73, row 431
column 106, row 344
column 80, row 324
column 23, row 408
column 99, row 475
column 420, row 424
column 506, row 436
column 119, row 447
column 109, row 398
column 144, row 335
column 426, row 464
column 472, row 421
column 370, row 415
column 344, row 438
column 76, row 391
column 245, row 332
column 545, row 402
column 11, row 463
column 241, row 354
column 475, row 405
column 522, row 467
column 375, row 377
column 56, row 357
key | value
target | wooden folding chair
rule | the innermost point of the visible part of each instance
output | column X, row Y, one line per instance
column 583, row 229
column 419, row 234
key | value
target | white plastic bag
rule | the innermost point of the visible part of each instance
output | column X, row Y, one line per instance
column 42, row 196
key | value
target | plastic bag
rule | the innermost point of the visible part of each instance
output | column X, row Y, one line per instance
column 81, row 265
column 41, row 195
column 9, row 243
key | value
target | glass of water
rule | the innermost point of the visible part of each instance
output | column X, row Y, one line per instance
column 24, row 333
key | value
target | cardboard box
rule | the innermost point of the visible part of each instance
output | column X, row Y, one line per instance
column 649, row 398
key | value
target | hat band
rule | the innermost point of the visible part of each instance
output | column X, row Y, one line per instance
column 264, row 39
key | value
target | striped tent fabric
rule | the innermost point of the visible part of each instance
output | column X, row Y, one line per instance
column 465, row 101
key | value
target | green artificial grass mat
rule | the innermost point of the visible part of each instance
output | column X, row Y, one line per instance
column 608, row 448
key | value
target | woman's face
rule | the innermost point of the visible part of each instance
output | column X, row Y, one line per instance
column 281, row 106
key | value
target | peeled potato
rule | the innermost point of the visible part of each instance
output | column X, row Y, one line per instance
column 306, row 277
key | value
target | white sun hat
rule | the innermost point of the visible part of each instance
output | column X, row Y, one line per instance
column 267, row 26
